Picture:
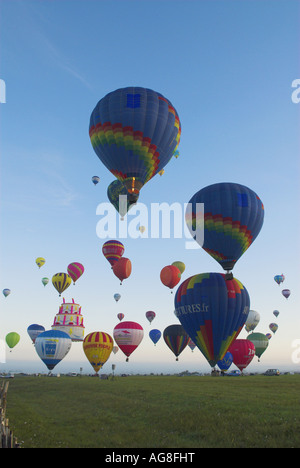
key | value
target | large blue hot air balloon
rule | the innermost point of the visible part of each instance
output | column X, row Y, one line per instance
column 232, row 216
column 212, row 310
column 134, row 132
column 52, row 346
column 155, row 335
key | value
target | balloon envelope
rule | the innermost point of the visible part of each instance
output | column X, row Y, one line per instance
column 155, row 335
column 150, row 315
column 118, row 197
column 117, row 297
column 230, row 216
column 276, row 313
column 52, row 346
column 61, row 281
column 120, row 316
column 128, row 336
column 273, row 327
column 34, row 331
column 226, row 362
column 97, row 347
column 252, row 320
column 12, row 339
column 176, row 339
column 260, row 342
column 40, row 261
column 286, row 293
column 122, row 268
column 212, row 311
column 95, row 180
column 279, row 279
column 6, row 292
column 243, row 351
column 45, row 281
column 75, row 270
column 113, row 251
column 170, row 276
column 134, row 132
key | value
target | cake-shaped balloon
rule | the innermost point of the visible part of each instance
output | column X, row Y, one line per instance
column 70, row 320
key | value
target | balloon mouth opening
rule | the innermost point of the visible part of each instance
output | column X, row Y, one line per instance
column 133, row 186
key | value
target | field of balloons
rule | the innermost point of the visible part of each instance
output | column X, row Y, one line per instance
column 135, row 132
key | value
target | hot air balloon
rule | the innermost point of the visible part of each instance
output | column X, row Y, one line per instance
column 252, row 320
column 260, row 342
column 269, row 335
column 6, row 292
column 273, row 327
column 176, row 339
column 155, row 335
column 45, row 281
column 115, row 349
column 161, row 172
column 128, row 336
column 231, row 216
column 52, row 346
column 286, row 293
column 243, row 351
column 61, row 281
column 170, row 276
column 276, row 313
column 279, row 279
column 117, row 297
column 34, row 331
column 95, row 180
column 97, row 347
column 113, row 251
column 191, row 345
column 134, row 132
column 12, row 339
column 212, row 311
column 75, row 270
column 122, row 268
column 142, row 229
column 180, row 266
column 150, row 315
column 40, row 261
column 118, row 196
column 120, row 316
column 226, row 362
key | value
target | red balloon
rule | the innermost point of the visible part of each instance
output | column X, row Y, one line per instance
column 122, row 268
column 128, row 336
column 243, row 351
column 170, row 276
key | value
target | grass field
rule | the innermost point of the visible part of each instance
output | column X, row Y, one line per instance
column 155, row 412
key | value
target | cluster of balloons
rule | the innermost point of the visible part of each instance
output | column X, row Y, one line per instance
column 113, row 251
column 61, row 281
column 280, row 279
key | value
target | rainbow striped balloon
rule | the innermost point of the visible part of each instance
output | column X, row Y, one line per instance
column 213, row 311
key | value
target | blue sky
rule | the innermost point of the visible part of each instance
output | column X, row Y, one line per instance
column 227, row 67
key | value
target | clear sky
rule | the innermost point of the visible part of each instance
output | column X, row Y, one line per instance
column 227, row 67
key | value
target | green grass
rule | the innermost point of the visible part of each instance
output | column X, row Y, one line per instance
column 155, row 412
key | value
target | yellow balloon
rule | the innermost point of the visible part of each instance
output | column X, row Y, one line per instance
column 40, row 261
column 142, row 229
column 180, row 266
column 61, row 281
column 97, row 347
